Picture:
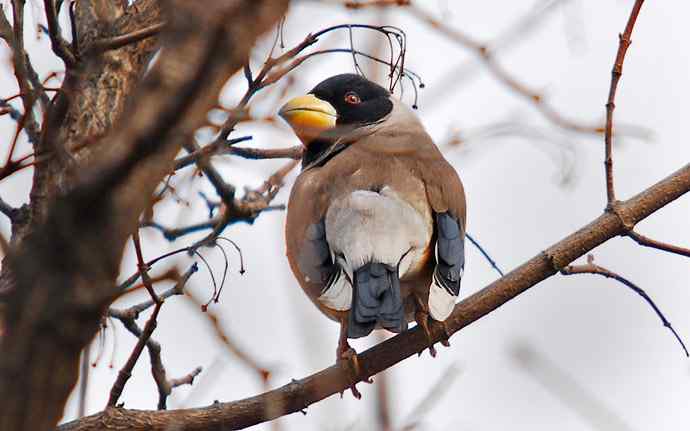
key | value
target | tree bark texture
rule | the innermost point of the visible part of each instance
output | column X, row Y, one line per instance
column 111, row 138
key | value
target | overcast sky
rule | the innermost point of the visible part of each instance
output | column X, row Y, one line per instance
column 573, row 353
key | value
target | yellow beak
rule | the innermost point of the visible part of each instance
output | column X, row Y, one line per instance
column 309, row 116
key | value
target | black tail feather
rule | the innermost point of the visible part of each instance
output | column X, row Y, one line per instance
column 376, row 299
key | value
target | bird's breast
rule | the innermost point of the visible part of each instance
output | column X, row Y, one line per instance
column 385, row 226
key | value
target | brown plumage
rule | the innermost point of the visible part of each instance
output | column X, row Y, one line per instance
column 389, row 161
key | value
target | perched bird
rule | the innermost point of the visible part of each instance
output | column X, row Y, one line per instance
column 376, row 219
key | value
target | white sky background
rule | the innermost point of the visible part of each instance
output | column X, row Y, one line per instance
column 597, row 357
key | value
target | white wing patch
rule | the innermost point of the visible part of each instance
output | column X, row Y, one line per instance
column 441, row 302
column 338, row 294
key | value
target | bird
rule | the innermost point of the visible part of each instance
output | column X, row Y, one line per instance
column 375, row 225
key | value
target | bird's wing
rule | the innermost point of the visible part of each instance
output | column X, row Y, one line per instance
column 307, row 248
column 447, row 200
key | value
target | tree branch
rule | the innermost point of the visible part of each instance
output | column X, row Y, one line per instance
column 128, row 318
column 120, row 41
column 299, row 394
column 486, row 56
column 60, row 46
column 616, row 73
column 80, row 237
column 648, row 242
column 126, row 371
column 14, row 36
column 591, row 268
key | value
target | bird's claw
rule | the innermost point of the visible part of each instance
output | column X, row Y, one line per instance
column 422, row 319
column 348, row 355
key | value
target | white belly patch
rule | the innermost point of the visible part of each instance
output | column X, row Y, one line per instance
column 366, row 226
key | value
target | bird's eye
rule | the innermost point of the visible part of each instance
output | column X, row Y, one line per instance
column 352, row 98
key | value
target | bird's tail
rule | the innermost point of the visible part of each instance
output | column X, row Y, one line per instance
column 376, row 299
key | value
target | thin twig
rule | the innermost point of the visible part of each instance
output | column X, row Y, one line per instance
column 648, row 242
column 158, row 371
column 224, row 190
column 591, row 268
column 8, row 210
column 143, row 268
column 128, row 318
column 251, row 205
column 375, row 3
column 616, row 73
column 60, row 46
column 177, row 289
column 294, row 153
column 485, row 254
column 14, row 36
column 134, row 277
column 262, row 372
column 126, row 371
column 123, row 40
column 482, row 51
column 216, row 148
column 246, row 209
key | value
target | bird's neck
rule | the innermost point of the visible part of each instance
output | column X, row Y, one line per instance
column 316, row 150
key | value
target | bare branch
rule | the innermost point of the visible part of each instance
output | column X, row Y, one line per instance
column 98, row 208
column 8, row 210
column 294, row 153
column 616, row 73
column 299, row 394
column 246, row 209
column 484, row 54
column 144, row 268
column 126, row 371
column 128, row 319
column 262, row 372
column 485, row 254
column 216, row 148
column 60, row 46
column 648, row 242
column 375, row 3
column 14, row 36
column 120, row 41
column 591, row 268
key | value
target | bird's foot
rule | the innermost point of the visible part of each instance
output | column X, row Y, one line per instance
column 347, row 356
column 423, row 320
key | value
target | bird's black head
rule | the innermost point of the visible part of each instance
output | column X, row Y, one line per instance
column 335, row 107
column 357, row 100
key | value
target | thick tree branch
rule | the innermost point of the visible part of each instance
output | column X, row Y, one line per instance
column 299, row 394
column 80, row 237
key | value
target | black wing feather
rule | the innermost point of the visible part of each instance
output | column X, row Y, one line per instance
column 451, row 252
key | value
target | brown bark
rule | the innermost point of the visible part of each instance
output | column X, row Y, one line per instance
column 299, row 394
column 110, row 145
